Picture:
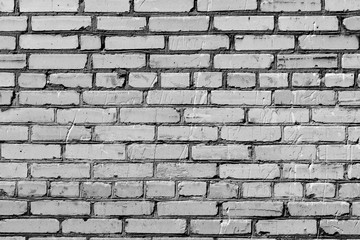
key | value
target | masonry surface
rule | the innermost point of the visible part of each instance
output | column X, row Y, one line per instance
column 179, row 119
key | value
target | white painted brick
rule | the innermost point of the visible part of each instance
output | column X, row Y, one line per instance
column 107, row 5
column 13, row 170
column 251, row 134
column 220, row 227
column 273, row 80
column 164, row 226
column 332, row 42
column 306, row 79
column 137, row 42
column 142, row 79
column 187, row 208
column 264, row 42
column 64, row 189
column 241, row 80
column 223, row 190
column 49, row 5
column 7, row 79
column 220, row 152
column 288, row 190
column 112, row 97
column 95, row 151
column 44, row 225
column 86, row 115
column 60, row 23
column 109, row 80
column 256, row 190
column 124, row 133
column 307, row 61
column 30, row 151
column 208, row 79
column 229, row 5
column 352, row 23
column 7, row 5
column 5, row 97
column 123, row 170
column 185, row 133
column 8, row 133
column 347, row 227
column 198, row 42
column 336, row 115
column 8, row 208
column 290, row 5
column 53, row 207
column 342, row 5
column 48, row 97
column 163, row 5
column 24, row 115
column 90, row 42
column 71, row 80
column 180, row 61
column 96, row 190
column 297, row 134
column 57, row 61
column 213, row 115
column 32, row 80
column 286, row 227
column 92, row 226
column 185, row 170
column 313, row 171
column 339, row 79
column 187, row 188
column 137, row 208
column 128, row 189
column 13, row 23
column 160, row 189
column 175, row 80
column 241, row 97
column 12, row 61
column 31, row 188
column 350, row 60
column 253, row 208
column 249, row 171
column 149, row 115
column 320, row 190
column 241, row 61
column 158, row 151
column 121, row 23
column 125, row 60
column 244, row 23
column 285, row 152
column 176, row 24
column 177, row 97
column 60, row 170
column 7, row 43
column 308, row 23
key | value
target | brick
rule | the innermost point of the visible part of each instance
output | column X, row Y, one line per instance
column 86, row 115
column 158, row 151
column 49, row 97
column 295, row 61
column 128, row 189
column 32, row 80
column 90, row 42
column 9, row 133
column 339, row 80
column 355, row 209
column 137, row 42
column 304, row 97
column 218, row 226
column 185, row 133
column 30, row 151
column 352, row 23
column 223, row 190
column 54, row 207
column 243, row 61
column 149, row 115
column 290, row 6
column 198, row 42
column 112, row 97
column 185, row 170
column 143, row 80
column 48, row 42
column 72, row 80
column 49, row 5
column 118, row 60
column 44, row 225
column 286, row 227
column 249, row 171
column 7, row 189
column 96, row 190
column 342, row 5
column 306, row 79
column 187, row 188
column 264, row 42
column 163, row 5
column 60, row 170
column 173, row 97
column 349, row 190
column 57, row 61
column 64, row 189
column 124, row 133
column 187, row 208
column 7, row 6
column 224, row 97
column 13, row 170
column 60, row 23
column 7, row 43
column 12, row 61
column 175, row 80
column 208, row 79
column 253, row 208
column 332, row 42
column 8, row 208
column 107, row 6
column 256, row 190
column 285, row 152
column 241, row 80
column 121, row 23
column 220, row 152
column 60, row 133
column 164, row 226
column 232, row 5
column 273, row 80
column 354, row 171
column 251, row 134
column 123, row 170
column 314, row 134
column 95, row 151
column 348, row 98
column 288, row 190
column 109, row 80
column 92, row 226
column 7, row 79
column 180, row 61
column 308, row 23
column 335, row 115
column 320, row 190
column 136, row 208
column 214, row 115
column 13, row 23
column 244, row 23
column 313, row 171
column 160, row 189
column 318, row 208
column 177, row 24
column 6, row 97
column 31, row 188
column 278, row 115
column 343, row 227
column 339, row 152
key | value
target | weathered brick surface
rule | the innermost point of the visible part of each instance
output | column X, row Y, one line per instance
column 179, row 119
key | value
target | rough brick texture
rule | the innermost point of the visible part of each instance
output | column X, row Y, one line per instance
column 179, row 119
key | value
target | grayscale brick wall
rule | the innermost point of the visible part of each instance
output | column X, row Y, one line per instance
column 179, row 119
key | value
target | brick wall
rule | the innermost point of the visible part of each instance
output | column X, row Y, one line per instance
column 181, row 119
